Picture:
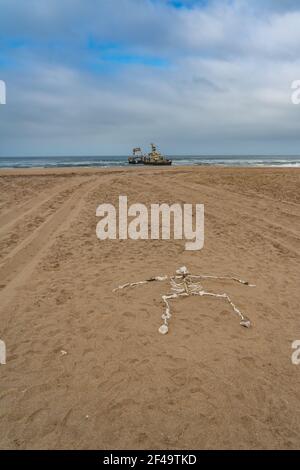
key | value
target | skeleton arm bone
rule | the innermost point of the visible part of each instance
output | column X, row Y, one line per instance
column 222, row 278
column 134, row 284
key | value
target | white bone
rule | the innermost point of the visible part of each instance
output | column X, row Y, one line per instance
column 183, row 285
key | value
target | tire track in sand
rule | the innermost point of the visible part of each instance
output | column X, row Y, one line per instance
column 15, row 272
column 13, row 216
column 279, row 235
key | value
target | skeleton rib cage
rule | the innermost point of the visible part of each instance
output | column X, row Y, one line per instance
column 184, row 284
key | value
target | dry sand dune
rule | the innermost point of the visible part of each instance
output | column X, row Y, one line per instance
column 209, row 383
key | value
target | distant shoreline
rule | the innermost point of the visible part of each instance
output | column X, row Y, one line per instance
column 121, row 161
column 141, row 170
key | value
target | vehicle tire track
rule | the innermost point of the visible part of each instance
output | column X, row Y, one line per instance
column 280, row 236
column 13, row 216
column 25, row 258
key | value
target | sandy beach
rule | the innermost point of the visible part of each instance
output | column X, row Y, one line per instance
column 87, row 369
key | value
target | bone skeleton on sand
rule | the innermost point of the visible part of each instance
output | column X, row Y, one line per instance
column 184, row 284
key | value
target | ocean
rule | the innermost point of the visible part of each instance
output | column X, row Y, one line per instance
column 117, row 161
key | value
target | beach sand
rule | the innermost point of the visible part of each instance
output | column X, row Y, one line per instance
column 87, row 369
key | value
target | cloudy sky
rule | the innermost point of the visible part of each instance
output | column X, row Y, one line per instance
column 97, row 77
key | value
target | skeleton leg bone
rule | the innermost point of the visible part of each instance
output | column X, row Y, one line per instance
column 244, row 320
column 164, row 328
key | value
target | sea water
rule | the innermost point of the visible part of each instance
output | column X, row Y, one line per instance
column 121, row 161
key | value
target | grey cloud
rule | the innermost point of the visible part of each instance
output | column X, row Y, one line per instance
column 226, row 89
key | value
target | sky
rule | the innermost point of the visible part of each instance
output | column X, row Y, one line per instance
column 99, row 77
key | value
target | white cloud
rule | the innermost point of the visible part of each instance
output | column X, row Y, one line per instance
column 226, row 88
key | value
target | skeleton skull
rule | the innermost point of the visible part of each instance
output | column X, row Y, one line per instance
column 183, row 271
